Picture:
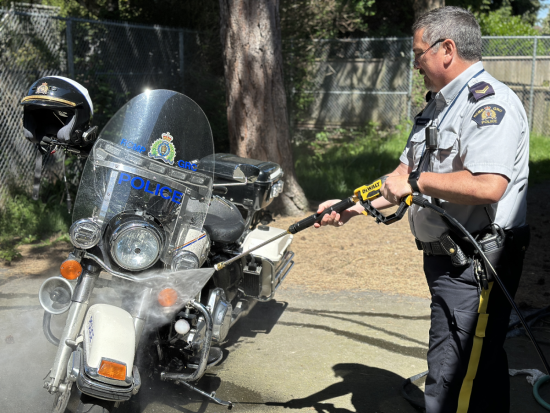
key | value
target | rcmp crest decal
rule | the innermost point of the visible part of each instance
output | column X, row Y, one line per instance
column 164, row 149
column 489, row 115
column 42, row 89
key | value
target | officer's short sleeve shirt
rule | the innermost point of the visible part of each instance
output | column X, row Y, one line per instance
column 479, row 131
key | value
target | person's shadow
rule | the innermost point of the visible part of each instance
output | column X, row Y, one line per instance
column 372, row 390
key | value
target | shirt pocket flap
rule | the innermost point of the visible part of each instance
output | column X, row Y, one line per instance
column 446, row 140
column 465, row 320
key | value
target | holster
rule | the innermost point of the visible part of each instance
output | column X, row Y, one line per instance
column 453, row 249
column 514, row 243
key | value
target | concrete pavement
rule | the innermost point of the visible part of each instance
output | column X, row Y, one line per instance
column 333, row 353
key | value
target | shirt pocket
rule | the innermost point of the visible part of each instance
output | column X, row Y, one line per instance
column 447, row 149
column 417, row 145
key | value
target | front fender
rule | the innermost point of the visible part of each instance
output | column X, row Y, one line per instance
column 109, row 335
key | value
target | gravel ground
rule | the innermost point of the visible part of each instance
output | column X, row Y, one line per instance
column 360, row 256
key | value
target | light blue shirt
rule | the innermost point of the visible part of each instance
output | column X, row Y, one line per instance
column 499, row 146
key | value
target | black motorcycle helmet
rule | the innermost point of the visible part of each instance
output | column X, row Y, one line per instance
column 57, row 110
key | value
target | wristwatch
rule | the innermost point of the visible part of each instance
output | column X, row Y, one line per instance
column 413, row 180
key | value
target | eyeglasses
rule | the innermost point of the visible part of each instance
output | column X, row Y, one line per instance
column 417, row 57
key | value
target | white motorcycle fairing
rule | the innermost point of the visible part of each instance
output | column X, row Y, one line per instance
column 109, row 334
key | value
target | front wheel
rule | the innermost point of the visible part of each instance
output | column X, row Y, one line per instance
column 92, row 405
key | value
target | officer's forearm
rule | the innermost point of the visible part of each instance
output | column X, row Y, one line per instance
column 464, row 187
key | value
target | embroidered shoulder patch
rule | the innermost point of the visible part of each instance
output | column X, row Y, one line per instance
column 489, row 115
column 481, row 90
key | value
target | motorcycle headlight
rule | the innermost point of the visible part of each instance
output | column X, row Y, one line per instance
column 136, row 244
column 85, row 233
column 185, row 260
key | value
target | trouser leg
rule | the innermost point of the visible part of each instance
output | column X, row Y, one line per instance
column 455, row 300
column 468, row 370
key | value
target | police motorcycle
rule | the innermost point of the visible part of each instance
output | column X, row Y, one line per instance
column 155, row 211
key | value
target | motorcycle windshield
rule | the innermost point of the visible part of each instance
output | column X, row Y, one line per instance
column 146, row 161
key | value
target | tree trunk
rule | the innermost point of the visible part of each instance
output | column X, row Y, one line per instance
column 256, row 99
column 421, row 7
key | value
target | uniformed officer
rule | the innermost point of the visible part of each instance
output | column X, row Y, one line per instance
column 476, row 170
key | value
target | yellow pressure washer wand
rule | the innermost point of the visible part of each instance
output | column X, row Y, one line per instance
column 363, row 195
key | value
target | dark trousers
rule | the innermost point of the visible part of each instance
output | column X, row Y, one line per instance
column 468, row 367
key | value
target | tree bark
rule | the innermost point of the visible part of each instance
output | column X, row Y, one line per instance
column 421, row 7
column 256, row 100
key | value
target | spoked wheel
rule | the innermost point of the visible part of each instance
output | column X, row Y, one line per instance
column 92, row 405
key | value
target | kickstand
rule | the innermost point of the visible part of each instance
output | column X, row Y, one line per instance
column 210, row 396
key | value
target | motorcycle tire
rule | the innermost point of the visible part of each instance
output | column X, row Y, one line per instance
column 92, row 405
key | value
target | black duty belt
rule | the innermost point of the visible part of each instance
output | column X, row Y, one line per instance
column 445, row 246
column 431, row 248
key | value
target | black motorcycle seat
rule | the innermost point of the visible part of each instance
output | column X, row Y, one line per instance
column 224, row 223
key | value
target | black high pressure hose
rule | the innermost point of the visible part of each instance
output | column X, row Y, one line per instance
column 421, row 201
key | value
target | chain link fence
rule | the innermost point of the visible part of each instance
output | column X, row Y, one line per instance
column 331, row 83
column 114, row 61
column 354, row 82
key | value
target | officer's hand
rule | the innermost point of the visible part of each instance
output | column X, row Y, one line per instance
column 395, row 188
column 333, row 218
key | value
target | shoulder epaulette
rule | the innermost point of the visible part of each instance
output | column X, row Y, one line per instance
column 481, row 90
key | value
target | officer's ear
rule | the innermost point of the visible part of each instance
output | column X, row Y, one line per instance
column 450, row 52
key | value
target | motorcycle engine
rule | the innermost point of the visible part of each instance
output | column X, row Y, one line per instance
column 221, row 311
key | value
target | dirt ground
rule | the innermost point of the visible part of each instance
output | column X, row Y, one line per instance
column 361, row 255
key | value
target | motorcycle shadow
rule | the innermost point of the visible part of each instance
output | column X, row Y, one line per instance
column 260, row 320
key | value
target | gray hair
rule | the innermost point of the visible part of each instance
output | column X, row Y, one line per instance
column 452, row 23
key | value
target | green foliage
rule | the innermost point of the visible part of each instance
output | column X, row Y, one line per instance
column 310, row 19
column 332, row 163
column 539, row 158
column 502, row 22
column 24, row 221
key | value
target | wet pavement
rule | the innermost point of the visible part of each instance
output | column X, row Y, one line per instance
column 333, row 353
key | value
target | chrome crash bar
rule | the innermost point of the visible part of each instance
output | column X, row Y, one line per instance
column 182, row 378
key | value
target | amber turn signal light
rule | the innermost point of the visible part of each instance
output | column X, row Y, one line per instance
column 112, row 370
column 167, row 297
column 71, row 269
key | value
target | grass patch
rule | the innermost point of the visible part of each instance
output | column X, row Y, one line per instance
column 539, row 158
column 332, row 164
column 25, row 221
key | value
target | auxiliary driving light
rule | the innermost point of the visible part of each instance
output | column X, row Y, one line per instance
column 185, row 260
column 85, row 233
column 136, row 243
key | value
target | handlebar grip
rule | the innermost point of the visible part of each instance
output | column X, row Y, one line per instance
column 312, row 219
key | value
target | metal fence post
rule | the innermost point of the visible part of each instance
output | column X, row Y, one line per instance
column 70, row 55
column 181, row 57
column 531, row 92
